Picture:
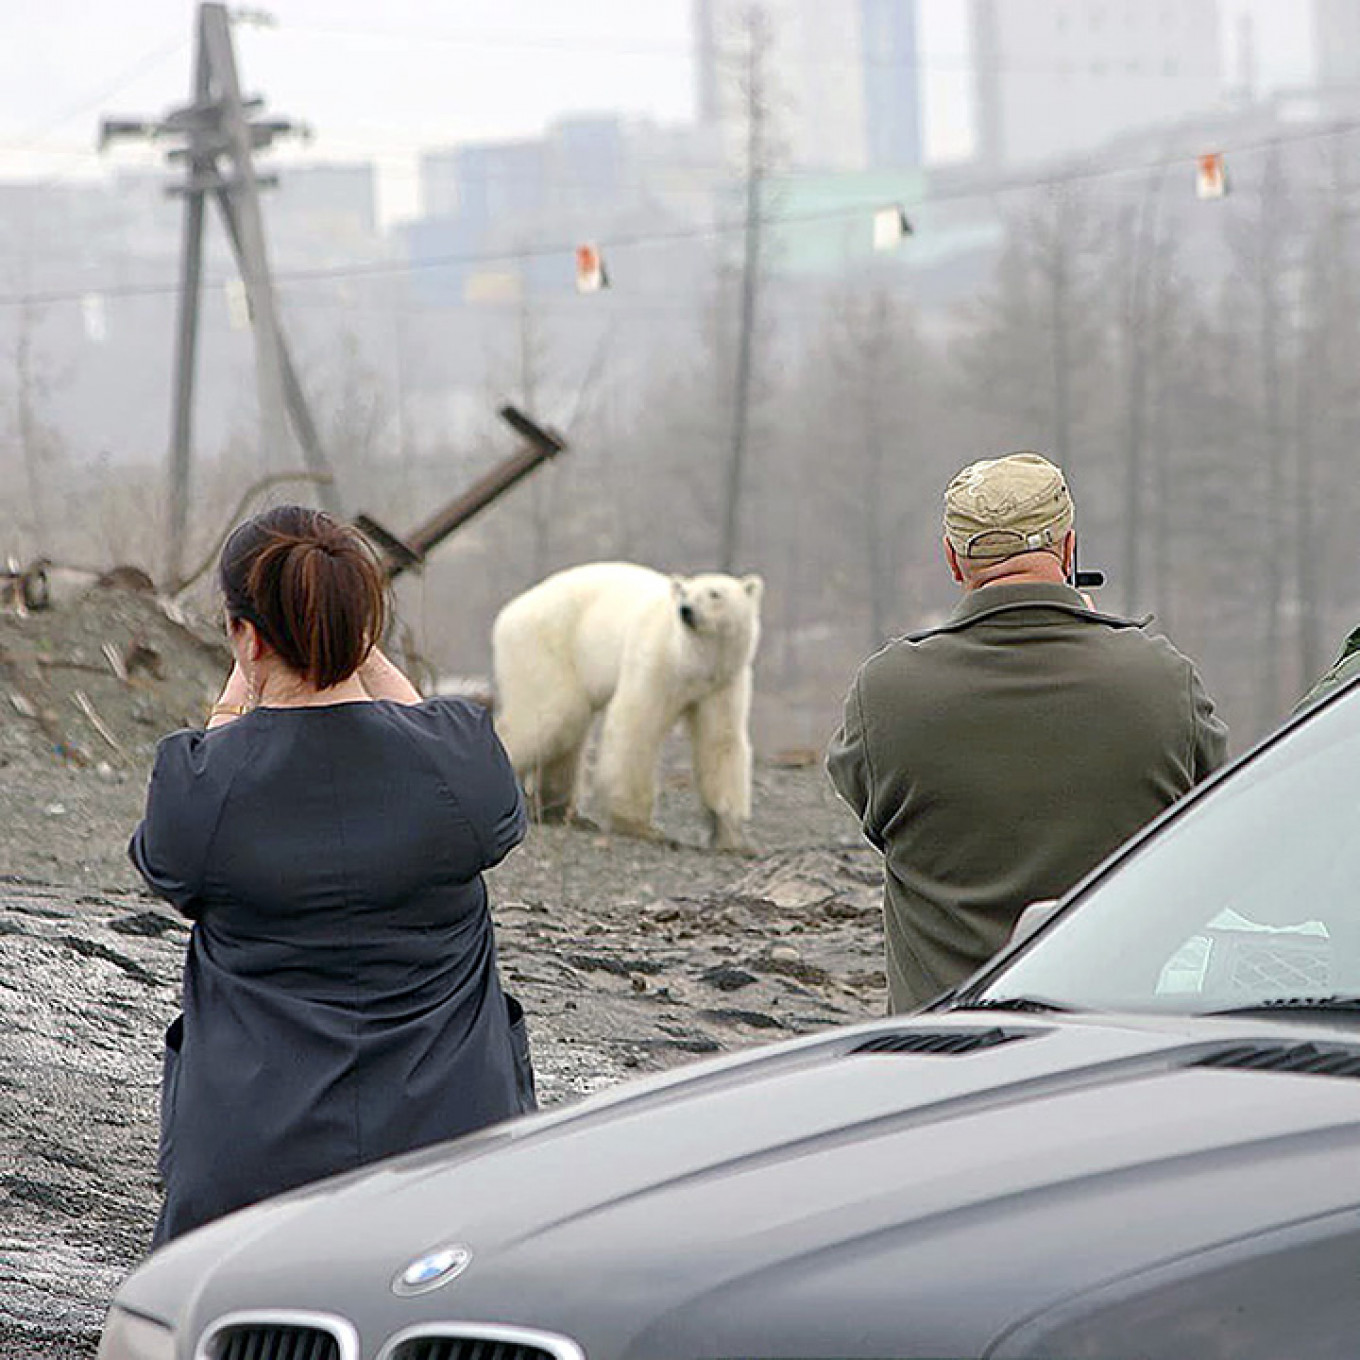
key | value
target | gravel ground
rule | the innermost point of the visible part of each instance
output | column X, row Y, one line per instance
column 629, row 956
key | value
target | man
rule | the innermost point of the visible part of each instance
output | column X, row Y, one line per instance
column 994, row 760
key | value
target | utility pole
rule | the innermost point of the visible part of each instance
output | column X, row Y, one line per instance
column 755, row 94
column 218, row 134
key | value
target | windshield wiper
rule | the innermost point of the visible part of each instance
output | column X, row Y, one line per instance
column 1012, row 1003
column 1295, row 1005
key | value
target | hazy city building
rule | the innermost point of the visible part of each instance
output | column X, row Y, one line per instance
column 324, row 212
column 845, row 90
column 515, row 209
column 1057, row 76
column 484, row 183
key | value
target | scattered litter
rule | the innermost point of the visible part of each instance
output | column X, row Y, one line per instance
column 82, row 702
column 115, row 660
column 796, row 758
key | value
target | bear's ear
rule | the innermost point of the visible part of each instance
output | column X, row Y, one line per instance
column 677, row 585
column 754, row 586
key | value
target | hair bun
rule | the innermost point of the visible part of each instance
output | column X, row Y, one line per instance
column 320, row 619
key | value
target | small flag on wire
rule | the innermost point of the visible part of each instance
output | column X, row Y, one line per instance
column 890, row 226
column 95, row 318
column 591, row 274
column 1211, row 177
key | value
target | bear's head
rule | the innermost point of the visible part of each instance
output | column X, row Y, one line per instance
column 725, row 608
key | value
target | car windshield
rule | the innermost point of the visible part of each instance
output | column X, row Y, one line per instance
column 1250, row 898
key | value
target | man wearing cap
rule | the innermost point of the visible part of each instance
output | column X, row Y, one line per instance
column 994, row 760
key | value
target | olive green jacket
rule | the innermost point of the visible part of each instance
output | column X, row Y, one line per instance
column 997, row 759
column 1343, row 668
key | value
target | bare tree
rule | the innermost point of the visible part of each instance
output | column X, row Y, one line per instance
column 879, row 361
column 1260, row 242
column 1038, row 344
column 541, row 507
column 1327, row 411
column 1141, row 240
column 754, row 84
column 1170, row 345
column 37, row 443
column 358, row 417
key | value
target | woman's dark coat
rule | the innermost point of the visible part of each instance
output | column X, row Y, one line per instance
column 341, row 997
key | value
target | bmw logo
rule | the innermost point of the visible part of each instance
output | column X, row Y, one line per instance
column 433, row 1269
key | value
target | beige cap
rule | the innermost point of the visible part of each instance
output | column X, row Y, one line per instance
column 1004, row 506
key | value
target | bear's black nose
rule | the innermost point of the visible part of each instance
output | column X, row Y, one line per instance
column 687, row 615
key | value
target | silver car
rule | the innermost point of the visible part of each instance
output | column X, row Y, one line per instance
column 1136, row 1134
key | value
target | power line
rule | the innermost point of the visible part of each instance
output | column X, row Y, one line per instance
column 146, row 62
column 632, row 240
column 131, row 74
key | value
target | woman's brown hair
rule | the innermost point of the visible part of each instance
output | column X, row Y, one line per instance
column 311, row 585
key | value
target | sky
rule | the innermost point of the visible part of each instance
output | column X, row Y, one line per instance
column 379, row 82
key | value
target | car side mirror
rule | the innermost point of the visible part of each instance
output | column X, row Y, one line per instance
column 1035, row 915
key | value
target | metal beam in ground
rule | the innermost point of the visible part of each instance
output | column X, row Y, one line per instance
column 539, row 444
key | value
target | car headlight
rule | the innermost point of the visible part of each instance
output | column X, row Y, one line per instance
column 129, row 1336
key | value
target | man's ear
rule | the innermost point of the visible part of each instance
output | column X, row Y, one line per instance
column 953, row 559
column 1069, row 551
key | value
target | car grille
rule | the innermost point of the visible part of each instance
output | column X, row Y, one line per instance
column 248, row 1342
column 949, row 1043
column 466, row 1348
column 1324, row 1060
column 279, row 1335
column 479, row 1341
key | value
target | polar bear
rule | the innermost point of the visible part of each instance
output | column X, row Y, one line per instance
column 646, row 649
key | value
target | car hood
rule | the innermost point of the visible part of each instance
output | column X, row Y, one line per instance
column 815, row 1198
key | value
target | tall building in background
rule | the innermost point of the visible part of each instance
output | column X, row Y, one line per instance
column 844, row 77
column 892, row 83
column 1336, row 39
column 1055, row 76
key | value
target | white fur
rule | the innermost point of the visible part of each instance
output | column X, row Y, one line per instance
column 611, row 637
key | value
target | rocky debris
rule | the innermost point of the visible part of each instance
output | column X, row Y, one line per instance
column 650, row 978
column 95, row 682
column 80, row 1007
column 87, row 688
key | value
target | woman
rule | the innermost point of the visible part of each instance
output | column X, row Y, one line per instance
column 327, row 835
